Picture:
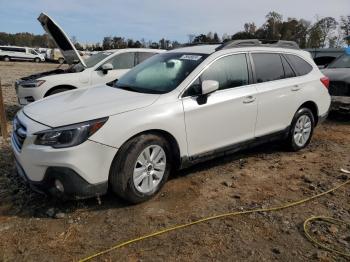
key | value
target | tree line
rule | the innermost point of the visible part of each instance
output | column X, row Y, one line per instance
column 324, row 32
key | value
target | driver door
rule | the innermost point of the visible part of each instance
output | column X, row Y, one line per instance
column 121, row 63
column 228, row 115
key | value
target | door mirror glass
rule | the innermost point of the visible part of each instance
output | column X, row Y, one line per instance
column 106, row 67
column 209, row 86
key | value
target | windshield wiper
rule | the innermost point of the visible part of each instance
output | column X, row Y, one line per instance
column 127, row 88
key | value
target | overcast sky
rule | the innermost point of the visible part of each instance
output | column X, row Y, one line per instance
column 91, row 20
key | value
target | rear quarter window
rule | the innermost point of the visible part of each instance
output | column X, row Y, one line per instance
column 300, row 65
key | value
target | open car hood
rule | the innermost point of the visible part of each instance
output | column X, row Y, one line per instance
column 70, row 53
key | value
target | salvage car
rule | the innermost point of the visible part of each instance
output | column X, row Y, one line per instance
column 174, row 110
column 338, row 73
column 100, row 68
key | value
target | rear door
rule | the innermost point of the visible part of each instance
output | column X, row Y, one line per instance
column 228, row 115
column 277, row 92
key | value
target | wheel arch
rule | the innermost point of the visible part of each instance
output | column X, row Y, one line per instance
column 313, row 107
column 175, row 148
column 69, row 87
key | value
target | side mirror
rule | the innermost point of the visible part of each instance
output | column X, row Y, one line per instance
column 106, row 68
column 209, row 86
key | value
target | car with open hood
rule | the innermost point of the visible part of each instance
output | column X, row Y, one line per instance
column 338, row 73
column 173, row 110
column 100, row 68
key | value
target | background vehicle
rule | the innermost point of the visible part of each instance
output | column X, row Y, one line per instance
column 175, row 109
column 55, row 55
column 100, row 68
column 8, row 53
column 338, row 73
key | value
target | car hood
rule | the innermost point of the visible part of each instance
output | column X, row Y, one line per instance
column 337, row 74
column 70, row 53
column 86, row 104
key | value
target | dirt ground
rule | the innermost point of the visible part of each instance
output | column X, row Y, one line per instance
column 37, row 228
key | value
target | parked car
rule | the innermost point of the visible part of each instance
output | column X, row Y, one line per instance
column 175, row 109
column 338, row 73
column 8, row 53
column 100, row 68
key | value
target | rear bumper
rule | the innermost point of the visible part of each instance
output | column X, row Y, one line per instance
column 340, row 104
column 72, row 186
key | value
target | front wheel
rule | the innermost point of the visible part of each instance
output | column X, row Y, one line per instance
column 301, row 130
column 141, row 168
column 37, row 60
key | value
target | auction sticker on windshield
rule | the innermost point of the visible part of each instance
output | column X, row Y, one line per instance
column 191, row 57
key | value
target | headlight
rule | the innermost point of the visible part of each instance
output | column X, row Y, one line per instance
column 68, row 136
column 35, row 83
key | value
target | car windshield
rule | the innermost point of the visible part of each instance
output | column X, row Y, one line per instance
column 161, row 73
column 341, row 62
column 91, row 61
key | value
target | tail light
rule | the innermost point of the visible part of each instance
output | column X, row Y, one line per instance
column 325, row 81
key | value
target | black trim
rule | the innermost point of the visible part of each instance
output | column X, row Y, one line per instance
column 75, row 187
column 228, row 150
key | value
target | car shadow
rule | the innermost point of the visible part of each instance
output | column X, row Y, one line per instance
column 338, row 117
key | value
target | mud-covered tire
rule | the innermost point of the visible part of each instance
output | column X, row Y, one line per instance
column 296, row 138
column 121, row 178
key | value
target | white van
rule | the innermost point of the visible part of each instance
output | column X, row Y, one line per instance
column 8, row 53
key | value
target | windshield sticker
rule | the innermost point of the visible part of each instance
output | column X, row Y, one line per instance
column 191, row 57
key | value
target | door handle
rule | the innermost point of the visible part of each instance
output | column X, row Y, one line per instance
column 249, row 99
column 296, row 88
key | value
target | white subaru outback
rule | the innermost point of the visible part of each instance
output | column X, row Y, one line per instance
column 173, row 110
column 101, row 68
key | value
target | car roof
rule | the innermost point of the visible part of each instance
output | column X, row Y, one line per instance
column 200, row 49
column 210, row 49
column 135, row 50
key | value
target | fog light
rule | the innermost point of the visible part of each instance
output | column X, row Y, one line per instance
column 59, row 185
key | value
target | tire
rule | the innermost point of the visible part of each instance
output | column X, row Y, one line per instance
column 37, row 60
column 61, row 61
column 124, row 178
column 56, row 91
column 6, row 59
column 301, row 129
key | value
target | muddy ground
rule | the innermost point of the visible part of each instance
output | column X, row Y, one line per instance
column 38, row 228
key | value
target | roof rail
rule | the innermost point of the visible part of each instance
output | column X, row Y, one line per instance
column 257, row 42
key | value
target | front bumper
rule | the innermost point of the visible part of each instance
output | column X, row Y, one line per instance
column 340, row 104
column 27, row 95
column 72, row 185
column 83, row 170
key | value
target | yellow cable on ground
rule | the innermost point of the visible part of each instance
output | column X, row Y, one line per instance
column 231, row 214
column 331, row 221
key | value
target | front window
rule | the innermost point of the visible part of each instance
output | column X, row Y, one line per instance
column 341, row 62
column 161, row 73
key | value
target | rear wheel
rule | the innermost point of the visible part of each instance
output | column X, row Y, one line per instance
column 301, row 130
column 141, row 168
column 60, row 60
column 6, row 59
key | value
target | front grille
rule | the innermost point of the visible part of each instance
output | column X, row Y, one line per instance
column 19, row 133
column 339, row 88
